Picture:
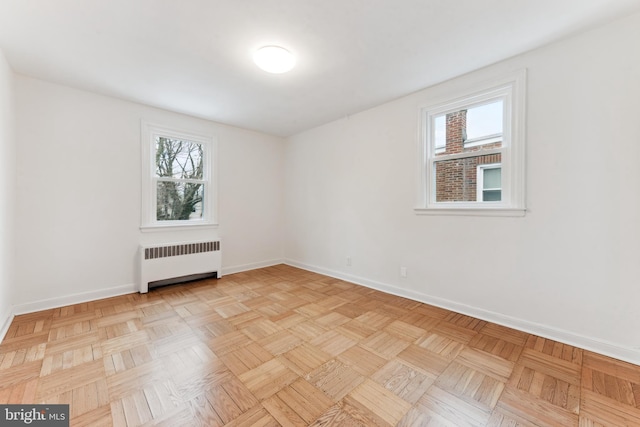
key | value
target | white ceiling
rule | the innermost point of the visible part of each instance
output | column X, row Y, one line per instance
column 194, row 56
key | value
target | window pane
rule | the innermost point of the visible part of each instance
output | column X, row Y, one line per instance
column 485, row 120
column 456, row 180
column 179, row 201
column 176, row 158
column 492, row 178
column 454, row 132
column 491, row 195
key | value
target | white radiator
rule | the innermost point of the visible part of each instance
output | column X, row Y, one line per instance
column 175, row 260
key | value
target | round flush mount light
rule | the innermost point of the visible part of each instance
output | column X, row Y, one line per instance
column 274, row 59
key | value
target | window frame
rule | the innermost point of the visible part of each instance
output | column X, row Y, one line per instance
column 511, row 89
column 149, row 221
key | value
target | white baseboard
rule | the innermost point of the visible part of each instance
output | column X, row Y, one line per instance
column 6, row 317
column 78, row 298
column 614, row 350
column 251, row 266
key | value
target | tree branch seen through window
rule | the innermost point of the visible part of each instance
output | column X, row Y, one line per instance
column 180, row 179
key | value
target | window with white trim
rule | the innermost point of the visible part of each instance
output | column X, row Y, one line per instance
column 489, row 186
column 473, row 152
column 178, row 185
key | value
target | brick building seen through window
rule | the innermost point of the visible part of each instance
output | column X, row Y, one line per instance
column 470, row 178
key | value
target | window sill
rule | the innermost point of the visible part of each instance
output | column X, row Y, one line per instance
column 460, row 211
column 177, row 227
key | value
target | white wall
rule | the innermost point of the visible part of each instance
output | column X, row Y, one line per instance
column 569, row 269
column 78, row 194
column 7, row 199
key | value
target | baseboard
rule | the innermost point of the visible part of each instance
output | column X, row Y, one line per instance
column 78, row 298
column 251, row 266
column 616, row 351
column 6, row 317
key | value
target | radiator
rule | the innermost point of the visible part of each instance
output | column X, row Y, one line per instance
column 177, row 260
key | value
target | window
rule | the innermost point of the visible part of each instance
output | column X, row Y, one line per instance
column 489, row 183
column 473, row 152
column 178, row 185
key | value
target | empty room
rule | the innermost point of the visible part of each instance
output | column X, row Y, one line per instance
column 327, row 213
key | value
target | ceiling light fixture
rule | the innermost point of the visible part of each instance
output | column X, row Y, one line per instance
column 274, row 59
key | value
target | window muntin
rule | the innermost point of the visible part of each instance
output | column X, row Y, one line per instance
column 178, row 186
column 490, row 131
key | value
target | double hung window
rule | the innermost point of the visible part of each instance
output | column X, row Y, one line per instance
column 178, row 185
column 473, row 152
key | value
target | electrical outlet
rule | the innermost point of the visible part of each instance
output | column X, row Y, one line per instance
column 403, row 271
column 348, row 261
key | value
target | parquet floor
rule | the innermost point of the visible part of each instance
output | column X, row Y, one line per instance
column 283, row 346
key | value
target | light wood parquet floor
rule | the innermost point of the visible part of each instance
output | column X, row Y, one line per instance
column 283, row 346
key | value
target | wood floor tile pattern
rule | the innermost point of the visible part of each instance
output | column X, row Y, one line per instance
column 281, row 346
